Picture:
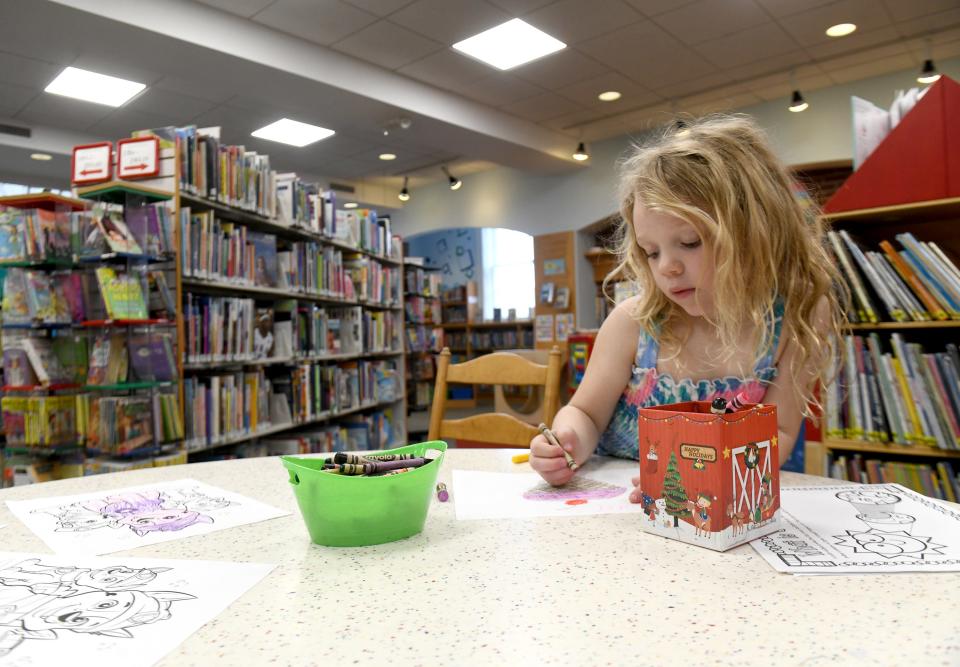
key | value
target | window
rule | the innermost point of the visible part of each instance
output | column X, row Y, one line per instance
column 508, row 277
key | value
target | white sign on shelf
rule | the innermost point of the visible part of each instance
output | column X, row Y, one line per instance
column 138, row 157
column 91, row 163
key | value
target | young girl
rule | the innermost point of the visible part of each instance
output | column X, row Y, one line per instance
column 736, row 294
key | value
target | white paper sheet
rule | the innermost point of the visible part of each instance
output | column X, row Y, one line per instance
column 860, row 529
column 130, row 517
column 600, row 487
column 122, row 612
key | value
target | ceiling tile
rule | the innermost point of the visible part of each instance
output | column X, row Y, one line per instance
column 447, row 69
column 857, row 43
column 380, row 7
column 749, row 46
column 450, row 21
column 694, row 86
column 783, row 89
column 62, row 112
column 809, row 27
column 873, row 68
column 29, row 72
column 656, row 7
column 705, row 20
column 542, row 107
column 633, row 94
column 123, row 121
column 180, row 108
column 499, row 89
column 14, row 97
column 388, row 45
column 570, row 121
column 779, row 64
column 780, row 8
column 902, row 11
column 572, row 21
column 927, row 24
column 319, row 21
column 560, row 69
column 245, row 8
column 638, row 52
column 345, row 144
column 212, row 90
column 519, row 7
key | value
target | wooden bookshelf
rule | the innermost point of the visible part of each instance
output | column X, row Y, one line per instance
column 816, row 451
column 894, row 326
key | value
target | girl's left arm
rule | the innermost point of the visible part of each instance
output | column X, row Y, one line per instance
column 782, row 393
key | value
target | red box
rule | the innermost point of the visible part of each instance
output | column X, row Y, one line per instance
column 710, row 480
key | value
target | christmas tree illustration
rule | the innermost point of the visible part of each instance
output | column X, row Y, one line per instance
column 674, row 493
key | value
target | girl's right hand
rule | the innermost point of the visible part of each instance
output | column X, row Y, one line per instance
column 549, row 461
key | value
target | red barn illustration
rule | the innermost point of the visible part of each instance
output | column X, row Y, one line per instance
column 716, row 481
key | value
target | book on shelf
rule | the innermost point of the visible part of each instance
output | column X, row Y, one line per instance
column 151, row 228
column 108, row 362
column 33, row 234
column 46, row 366
column 939, row 480
column 263, row 342
column 906, row 395
column 152, row 358
column 919, row 282
column 122, row 294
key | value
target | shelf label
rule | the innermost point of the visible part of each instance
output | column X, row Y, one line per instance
column 91, row 163
column 138, row 157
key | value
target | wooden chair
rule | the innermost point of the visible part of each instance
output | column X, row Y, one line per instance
column 498, row 368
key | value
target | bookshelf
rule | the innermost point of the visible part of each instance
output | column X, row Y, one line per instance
column 422, row 331
column 334, row 308
column 89, row 343
column 925, row 458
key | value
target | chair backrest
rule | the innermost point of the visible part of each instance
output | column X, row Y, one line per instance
column 497, row 368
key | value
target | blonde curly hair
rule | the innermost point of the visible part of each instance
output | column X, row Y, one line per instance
column 720, row 174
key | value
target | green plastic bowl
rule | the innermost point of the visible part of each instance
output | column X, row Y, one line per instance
column 356, row 511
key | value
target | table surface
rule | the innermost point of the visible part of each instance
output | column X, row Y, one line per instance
column 548, row 591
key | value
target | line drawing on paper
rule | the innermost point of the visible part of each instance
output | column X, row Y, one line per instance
column 142, row 512
column 888, row 532
column 41, row 602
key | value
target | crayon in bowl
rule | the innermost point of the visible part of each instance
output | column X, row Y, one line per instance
column 373, row 467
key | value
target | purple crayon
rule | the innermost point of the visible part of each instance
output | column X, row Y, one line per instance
column 442, row 494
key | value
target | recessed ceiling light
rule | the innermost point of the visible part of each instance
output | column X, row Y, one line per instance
column 292, row 132
column 350, row 204
column 388, row 156
column 509, row 44
column 92, row 87
column 841, row 29
column 42, row 157
column 610, row 96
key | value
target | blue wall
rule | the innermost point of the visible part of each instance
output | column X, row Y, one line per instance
column 455, row 251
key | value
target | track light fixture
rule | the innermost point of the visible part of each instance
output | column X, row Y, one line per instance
column 929, row 73
column 581, row 153
column 455, row 183
column 404, row 193
column 797, row 103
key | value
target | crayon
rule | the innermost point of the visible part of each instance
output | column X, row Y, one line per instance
column 719, row 405
column 442, row 494
column 552, row 439
column 343, row 457
column 737, row 402
column 397, row 471
column 520, row 458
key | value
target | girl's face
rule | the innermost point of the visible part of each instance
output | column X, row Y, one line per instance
column 680, row 262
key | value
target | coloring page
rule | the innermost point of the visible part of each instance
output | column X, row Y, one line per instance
column 108, row 521
column 862, row 528
column 122, row 612
column 600, row 487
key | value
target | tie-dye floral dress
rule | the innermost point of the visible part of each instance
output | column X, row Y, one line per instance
column 647, row 388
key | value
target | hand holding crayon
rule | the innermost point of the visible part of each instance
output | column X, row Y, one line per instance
column 550, row 455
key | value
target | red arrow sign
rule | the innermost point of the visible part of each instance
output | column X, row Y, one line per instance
column 87, row 172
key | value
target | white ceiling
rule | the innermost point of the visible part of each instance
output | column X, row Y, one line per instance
column 355, row 65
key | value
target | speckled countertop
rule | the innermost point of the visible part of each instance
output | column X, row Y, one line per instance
column 551, row 591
